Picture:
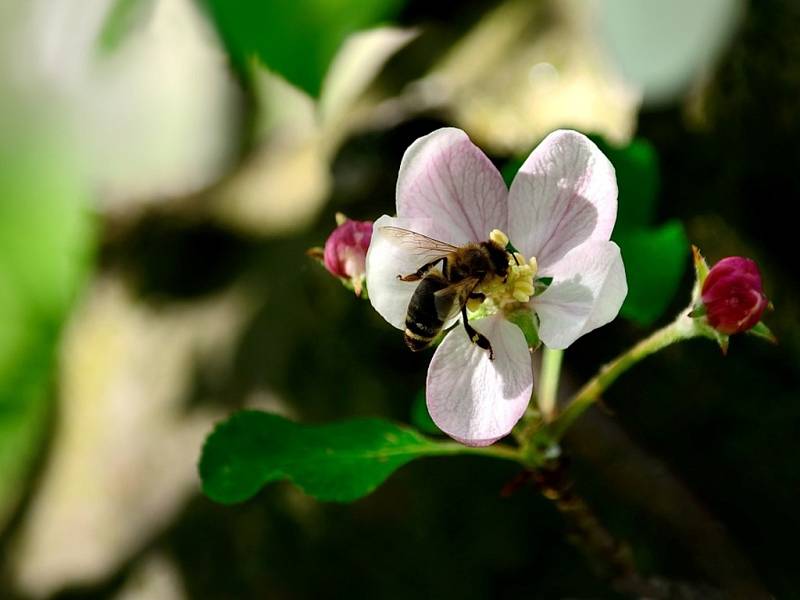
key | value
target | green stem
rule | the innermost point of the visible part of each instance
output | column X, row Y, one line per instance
column 495, row 451
column 548, row 382
column 681, row 329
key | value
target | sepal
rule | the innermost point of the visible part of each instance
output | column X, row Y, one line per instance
column 763, row 332
column 700, row 273
column 525, row 320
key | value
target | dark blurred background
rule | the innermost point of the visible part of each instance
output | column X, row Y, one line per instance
column 165, row 164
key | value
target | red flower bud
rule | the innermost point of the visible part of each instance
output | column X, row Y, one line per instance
column 733, row 296
column 345, row 251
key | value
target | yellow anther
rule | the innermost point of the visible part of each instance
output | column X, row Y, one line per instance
column 524, row 286
column 523, row 270
column 498, row 237
column 473, row 304
column 520, row 296
column 515, row 287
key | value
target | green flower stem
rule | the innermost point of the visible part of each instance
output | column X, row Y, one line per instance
column 683, row 328
column 548, row 382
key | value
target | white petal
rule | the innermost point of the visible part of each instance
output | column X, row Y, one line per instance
column 563, row 195
column 445, row 178
column 471, row 398
column 386, row 259
column 587, row 291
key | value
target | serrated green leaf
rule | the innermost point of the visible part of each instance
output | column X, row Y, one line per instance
column 334, row 462
column 655, row 260
column 296, row 39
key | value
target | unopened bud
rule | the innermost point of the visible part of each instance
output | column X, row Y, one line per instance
column 732, row 295
column 345, row 251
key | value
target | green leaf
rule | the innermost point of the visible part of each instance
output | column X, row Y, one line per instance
column 654, row 257
column 636, row 166
column 638, row 180
column 511, row 167
column 296, row 39
column 655, row 260
column 335, row 462
column 45, row 249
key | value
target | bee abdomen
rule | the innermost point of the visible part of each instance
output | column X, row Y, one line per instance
column 422, row 319
column 417, row 342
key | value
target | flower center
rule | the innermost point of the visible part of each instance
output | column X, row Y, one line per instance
column 516, row 288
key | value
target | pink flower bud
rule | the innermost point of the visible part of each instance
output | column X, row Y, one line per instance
column 732, row 295
column 345, row 251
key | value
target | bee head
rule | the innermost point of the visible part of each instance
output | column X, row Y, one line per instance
column 499, row 257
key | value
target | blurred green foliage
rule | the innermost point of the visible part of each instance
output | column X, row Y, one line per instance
column 339, row 461
column 121, row 19
column 45, row 249
column 444, row 528
column 296, row 39
column 655, row 256
column 420, row 417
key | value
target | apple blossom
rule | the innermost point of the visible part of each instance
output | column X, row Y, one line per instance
column 558, row 216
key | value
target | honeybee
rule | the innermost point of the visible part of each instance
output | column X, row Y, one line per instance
column 443, row 292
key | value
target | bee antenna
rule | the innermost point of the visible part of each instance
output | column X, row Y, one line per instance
column 512, row 251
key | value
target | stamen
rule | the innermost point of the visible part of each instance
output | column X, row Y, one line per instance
column 524, row 286
column 517, row 287
column 520, row 296
column 473, row 304
column 499, row 238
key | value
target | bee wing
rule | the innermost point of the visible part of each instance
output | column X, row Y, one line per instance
column 418, row 243
column 449, row 300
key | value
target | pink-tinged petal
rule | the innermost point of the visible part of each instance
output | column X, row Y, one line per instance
column 386, row 259
column 471, row 398
column 587, row 291
column 563, row 195
column 446, row 179
column 346, row 249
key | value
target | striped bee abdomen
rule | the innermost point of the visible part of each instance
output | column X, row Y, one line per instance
column 422, row 319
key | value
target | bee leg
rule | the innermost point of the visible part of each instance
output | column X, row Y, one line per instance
column 420, row 273
column 477, row 296
column 476, row 337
